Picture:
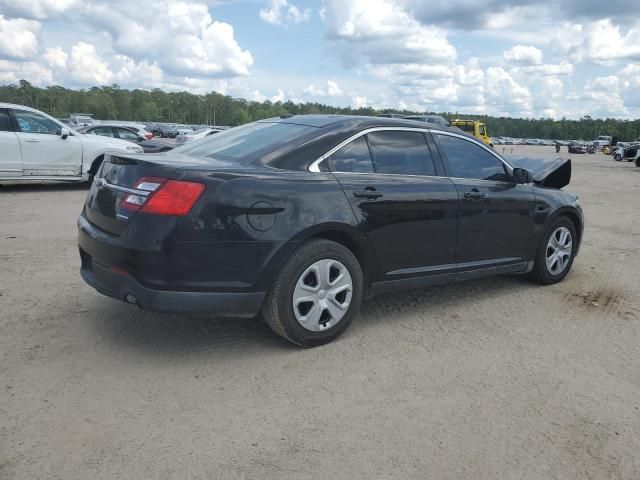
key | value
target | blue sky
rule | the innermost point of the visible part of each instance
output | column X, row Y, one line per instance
column 524, row 58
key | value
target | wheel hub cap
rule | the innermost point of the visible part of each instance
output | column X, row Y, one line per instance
column 559, row 250
column 322, row 295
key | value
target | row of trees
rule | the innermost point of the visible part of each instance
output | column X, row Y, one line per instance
column 115, row 103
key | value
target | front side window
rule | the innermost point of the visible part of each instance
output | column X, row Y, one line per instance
column 353, row 157
column 468, row 160
column 32, row 122
column 401, row 153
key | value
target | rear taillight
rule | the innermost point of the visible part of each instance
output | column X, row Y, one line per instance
column 166, row 197
column 148, row 135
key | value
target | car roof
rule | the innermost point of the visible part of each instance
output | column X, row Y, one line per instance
column 21, row 107
column 356, row 122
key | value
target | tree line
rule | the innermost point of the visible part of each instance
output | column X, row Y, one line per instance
column 116, row 103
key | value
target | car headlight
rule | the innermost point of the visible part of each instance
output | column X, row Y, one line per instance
column 135, row 148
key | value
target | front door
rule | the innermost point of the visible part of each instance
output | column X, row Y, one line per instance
column 495, row 215
column 44, row 151
column 11, row 157
column 406, row 210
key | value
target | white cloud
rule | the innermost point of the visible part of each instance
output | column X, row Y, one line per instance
column 256, row 96
column 181, row 37
column 551, row 69
column 332, row 90
column 56, row 58
column 503, row 90
column 598, row 42
column 359, row 101
column 87, row 67
column 278, row 97
column 281, row 12
column 18, row 38
column 384, row 32
column 37, row 9
column 12, row 72
column 523, row 55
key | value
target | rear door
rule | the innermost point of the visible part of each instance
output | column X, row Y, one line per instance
column 44, row 151
column 11, row 156
column 495, row 215
column 406, row 209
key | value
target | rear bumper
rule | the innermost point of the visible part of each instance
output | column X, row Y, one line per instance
column 123, row 287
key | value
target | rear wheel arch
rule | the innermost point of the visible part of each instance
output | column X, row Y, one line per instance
column 350, row 238
column 95, row 166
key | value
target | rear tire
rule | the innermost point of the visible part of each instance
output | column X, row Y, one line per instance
column 554, row 259
column 331, row 276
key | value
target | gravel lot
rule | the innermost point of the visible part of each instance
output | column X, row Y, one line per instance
column 487, row 379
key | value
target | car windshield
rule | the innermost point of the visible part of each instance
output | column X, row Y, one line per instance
column 246, row 143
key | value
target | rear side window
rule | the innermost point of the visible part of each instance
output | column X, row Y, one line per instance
column 5, row 124
column 468, row 160
column 102, row 131
column 247, row 143
column 127, row 134
column 353, row 157
column 401, row 153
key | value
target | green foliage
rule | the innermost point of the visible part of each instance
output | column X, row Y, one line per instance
column 115, row 103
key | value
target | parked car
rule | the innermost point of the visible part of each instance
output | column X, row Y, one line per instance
column 37, row 147
column 129, row 134
column 437, row 119
column 168, row 131
column 77, row 120
column 630, row 152
column 304, row 217
column 139, row 128
column 197, row 135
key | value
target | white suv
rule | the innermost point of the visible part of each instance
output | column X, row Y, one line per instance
column 37, row 147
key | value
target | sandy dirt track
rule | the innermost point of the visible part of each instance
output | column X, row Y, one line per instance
column 489, row 379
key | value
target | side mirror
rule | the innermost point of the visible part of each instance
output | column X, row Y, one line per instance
column 64, row 133
column 520, row 175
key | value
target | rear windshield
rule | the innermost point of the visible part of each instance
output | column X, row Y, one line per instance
column 247, row 143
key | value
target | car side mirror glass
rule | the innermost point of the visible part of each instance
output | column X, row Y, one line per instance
column 64, row 133
column 521, row 175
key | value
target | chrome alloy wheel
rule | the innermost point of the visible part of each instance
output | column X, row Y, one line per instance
column 322, row 295
column 559, row 250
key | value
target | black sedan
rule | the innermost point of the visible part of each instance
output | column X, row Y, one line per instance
column 303, row 217
column 149, row 146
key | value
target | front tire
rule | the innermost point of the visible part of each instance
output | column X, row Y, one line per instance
column 556, row 252
column 315, row 295
column 617, row 157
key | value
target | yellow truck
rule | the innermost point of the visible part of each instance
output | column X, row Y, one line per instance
column 475, row 128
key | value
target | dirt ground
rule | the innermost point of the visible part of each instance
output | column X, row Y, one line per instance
column 489, row 379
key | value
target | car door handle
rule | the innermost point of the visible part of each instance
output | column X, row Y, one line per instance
column 32, row 140
column 368, row 192
column 474, row 195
